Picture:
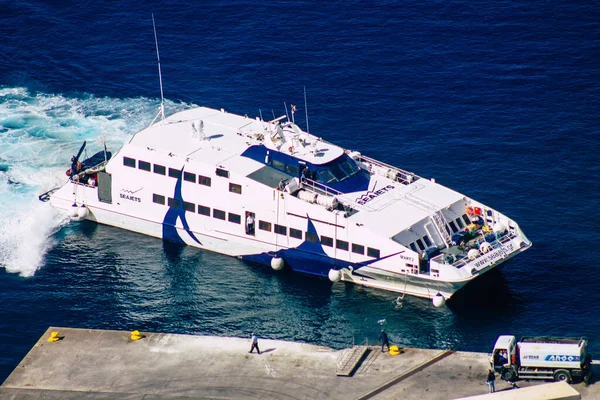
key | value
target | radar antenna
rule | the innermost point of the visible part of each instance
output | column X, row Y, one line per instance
column 161, row 109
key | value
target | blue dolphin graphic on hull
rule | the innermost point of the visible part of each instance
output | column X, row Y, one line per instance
column 169, row 231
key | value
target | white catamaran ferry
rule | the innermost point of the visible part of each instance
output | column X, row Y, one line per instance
column 268, row 192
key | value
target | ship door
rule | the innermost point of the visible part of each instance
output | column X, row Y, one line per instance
column 250, row 223
column 104, row 187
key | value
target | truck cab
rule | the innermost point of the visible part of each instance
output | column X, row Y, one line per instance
column 504, row 357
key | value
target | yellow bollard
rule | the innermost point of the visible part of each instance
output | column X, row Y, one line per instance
column 394, row 350
column 53, row 337
column 136, row 335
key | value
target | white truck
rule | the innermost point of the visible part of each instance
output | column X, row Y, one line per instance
column 558, row 358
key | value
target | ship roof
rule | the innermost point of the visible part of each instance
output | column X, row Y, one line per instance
column 216, row 136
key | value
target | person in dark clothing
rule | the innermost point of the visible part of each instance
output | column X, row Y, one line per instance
column 383, row 339
column 490, row 381
column 254, row 344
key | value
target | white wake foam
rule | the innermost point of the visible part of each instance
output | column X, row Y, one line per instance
column 38, row 135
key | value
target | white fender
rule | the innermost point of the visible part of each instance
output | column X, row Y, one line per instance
column 72, row 212
column 82, row 212
column 438, row 300
column 277, row 263
column 334, row 275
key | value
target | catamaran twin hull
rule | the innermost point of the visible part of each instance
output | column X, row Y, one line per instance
column 268, row 192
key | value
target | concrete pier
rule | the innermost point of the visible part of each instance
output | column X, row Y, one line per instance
column 99, row 364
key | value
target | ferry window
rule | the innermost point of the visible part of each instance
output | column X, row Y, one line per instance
column 327, row 177
column 341, row 244
column 427, row 241
column 174, row 173
column 159, row 169
column 295, row 233
column 447, row 229
column 326, row 241
column 158, row 199
column 222, row 172
column 174, row 203
column 372, row 252
column 291, row 169
column 235, row 218
column 129, row 162
column 189, row 206
column 235, row 188
column 460, row 223
column 218, row 214
column 204, row 180
column 280, row 230
column 203, row 210
column 466, row 219
column 188, row 176
column 358, row 248
column 278, row 165
column 264, row 226
column 312, row 237
column 144, row 165
column 413, row 246
column 420, row 244
column 453, row 226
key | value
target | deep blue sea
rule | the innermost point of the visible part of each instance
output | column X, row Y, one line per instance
column 495, row 99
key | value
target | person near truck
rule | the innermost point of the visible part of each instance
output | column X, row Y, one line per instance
column 490, row 381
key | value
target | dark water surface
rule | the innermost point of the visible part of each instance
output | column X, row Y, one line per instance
column 495, row 99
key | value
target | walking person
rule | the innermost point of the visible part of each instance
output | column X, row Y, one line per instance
column 383, row 339
column 254, row 344
column 490, row 381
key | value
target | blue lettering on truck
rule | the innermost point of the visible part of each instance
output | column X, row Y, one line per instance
column 558, row 357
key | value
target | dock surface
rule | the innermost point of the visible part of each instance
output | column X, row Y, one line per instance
column 101, row 364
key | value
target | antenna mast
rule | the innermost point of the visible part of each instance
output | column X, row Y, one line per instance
column 161, row 110
column 306, row 109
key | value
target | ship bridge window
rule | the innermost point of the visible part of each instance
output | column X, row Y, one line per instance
column 373, row 252
column 420, row 244
column 187, row 206
column 158, row 199
column 175, row 203
column 218, row 214
column 203, row 210
column 235, row 188
column 223, row 173
column 291, row 169
column 264, row 226
column 341, row 244
column 203, row 180
column 326, row 241
column 159, row 169
column 295, row 233
column 280, row 230
column 466, row 219
column 327, row 177
column 278, row 165
column 144, row 165
column 312, row 237
column 129, row 162
column 358, row 248
column 188, row 176
column 174, row 173
column 235, row 218
column 453, row 227
column 339, row 170
column 427, row 241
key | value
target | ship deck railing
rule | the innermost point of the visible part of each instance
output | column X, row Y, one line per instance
column 462, row 254
column 402, row 176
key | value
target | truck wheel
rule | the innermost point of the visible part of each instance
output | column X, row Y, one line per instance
column 508, row 375
column 562, row 376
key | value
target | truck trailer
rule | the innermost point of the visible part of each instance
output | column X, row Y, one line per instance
column 557, row 358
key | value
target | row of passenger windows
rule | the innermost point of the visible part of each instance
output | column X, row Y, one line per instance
column 266, row 226
column 175, row 173
column 455, row 226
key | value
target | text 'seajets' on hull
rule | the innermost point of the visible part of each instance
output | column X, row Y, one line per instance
column 268, row 192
